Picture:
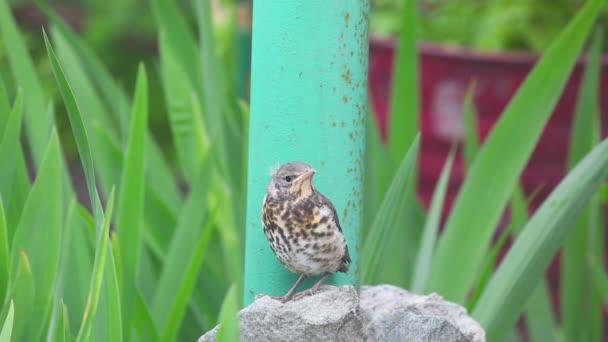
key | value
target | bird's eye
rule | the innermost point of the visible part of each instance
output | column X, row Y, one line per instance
column 288, row 179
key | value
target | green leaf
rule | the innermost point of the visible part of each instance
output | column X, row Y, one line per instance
column 431, row 229
column 108, row 157
column 229, row 322
column 5, row 106
column 539, row 315
column 4, row 261
column 229, row 233
column 38, row 122
column 81, row 84
column 39, row 235
column 97, row 276
column 187, row 247
column 404, row 123
column 116, row 100
column 87, row 98
column 389, row 218
column 130, row 201
column 600, row 279
column 109, row 324
column 56, row 324
column 509, row 289
column 144, row 324
column 160, row 175
column 188, row 282
column 573, row 285
column 22, row 293
column 214, row 90
column 67, row 336
column 79, row 130
column 181, row 39
column 19, row 192
column 487, row 270
column 61, row 329
column 185, row 127
column 7, row 327
column 79, row 257
column 500, row 162
column 8, row 153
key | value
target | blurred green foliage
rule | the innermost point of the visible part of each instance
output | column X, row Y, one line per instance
column 492, row 25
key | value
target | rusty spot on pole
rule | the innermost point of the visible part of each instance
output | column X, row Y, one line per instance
column 346, row 76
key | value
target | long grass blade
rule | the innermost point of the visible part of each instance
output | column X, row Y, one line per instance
column 22, row 294
column 9, row 154
column 184, row 291
column 79, row 130
column 184, row 126
column 7, row 327
column 600, row 279
column 161, row 178
column 388, row 219
column 39, row 235
column 574, row 275
column 4, row 253
column 508, row 291
column 495, row 171
column 431, row 229
column 5, row 107
column 97, row 276
column 55, row 322
column 38, row 122
column 540, row 318
column 144, row 324
column 214, row 90
column 110, row 326
column 229, row 322
column 129, row 218
column 182, row 250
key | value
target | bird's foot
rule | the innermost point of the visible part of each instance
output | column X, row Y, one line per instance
column 305, row 293
column 283, row 299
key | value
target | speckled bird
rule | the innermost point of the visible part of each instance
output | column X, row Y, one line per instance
column 303, row 228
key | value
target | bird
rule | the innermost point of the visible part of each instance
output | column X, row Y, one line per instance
column 303, row 228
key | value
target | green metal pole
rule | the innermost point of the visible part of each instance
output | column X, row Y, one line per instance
column 308, row 103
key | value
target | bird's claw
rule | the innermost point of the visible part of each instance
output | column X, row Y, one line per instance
column 304, row 294
column 283, row 300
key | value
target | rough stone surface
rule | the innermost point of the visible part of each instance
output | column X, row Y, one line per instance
column 384, row 313
column 330, row 315
column 394, row 314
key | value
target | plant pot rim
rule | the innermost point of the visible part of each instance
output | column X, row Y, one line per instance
column 449, row 51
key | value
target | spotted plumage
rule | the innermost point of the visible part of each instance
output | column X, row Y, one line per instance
column 302, row 227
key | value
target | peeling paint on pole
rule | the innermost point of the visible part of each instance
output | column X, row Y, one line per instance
column 308, row 103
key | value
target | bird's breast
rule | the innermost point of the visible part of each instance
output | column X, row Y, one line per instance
column 303, row 235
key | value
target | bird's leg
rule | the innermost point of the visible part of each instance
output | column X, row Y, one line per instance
column 293, row 290
column 313, row 289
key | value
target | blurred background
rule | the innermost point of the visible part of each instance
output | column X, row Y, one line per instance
column 478, row 49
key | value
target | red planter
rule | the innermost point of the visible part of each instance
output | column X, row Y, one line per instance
column 445, row 76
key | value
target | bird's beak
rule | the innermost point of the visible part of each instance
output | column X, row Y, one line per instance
column 306, row 175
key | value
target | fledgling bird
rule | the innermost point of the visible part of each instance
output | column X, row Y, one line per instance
column 302, row 228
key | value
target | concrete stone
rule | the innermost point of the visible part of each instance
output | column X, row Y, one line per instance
column 330, row 315
column 394, row 314
column 381, row 313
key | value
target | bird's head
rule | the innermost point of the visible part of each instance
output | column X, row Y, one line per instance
column 292, row 179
